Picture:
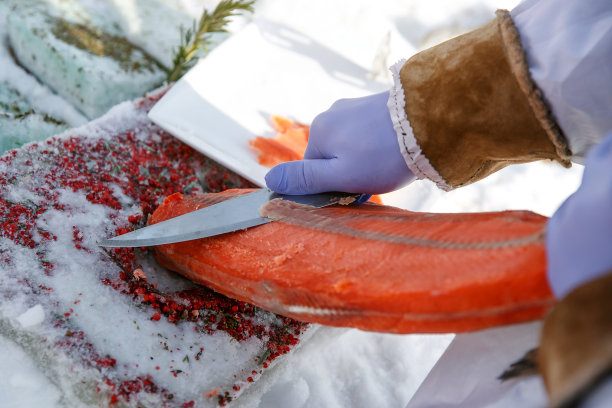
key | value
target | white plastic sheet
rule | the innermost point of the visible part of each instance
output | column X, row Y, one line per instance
column 268, row 68
column 466, row 374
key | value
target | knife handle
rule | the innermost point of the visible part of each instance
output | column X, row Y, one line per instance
column 361, row 199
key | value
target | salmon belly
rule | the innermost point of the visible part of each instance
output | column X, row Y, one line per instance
column 373, row 267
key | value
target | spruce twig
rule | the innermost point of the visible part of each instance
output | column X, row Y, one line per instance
column 197, row 38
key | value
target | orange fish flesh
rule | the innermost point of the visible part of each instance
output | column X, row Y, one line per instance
column 289, row 144
column 373, row 267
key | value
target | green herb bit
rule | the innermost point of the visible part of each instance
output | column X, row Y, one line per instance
column 264, row 357
column 197, row 38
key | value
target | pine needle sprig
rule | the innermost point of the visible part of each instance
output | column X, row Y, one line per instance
column 198, row 39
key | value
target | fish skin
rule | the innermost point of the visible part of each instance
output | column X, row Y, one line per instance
column 374, row 267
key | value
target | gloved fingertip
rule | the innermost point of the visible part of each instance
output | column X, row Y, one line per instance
column 276, row 179
column 361, row 199
column 299, row 177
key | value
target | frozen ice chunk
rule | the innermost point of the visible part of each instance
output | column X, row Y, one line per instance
column 94, row 68
column 20, row 123
column 32, row 317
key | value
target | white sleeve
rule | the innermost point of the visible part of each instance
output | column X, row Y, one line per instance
column 569, row 51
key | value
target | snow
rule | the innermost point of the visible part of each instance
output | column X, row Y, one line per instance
column 332, row 368
column 340, row 368
column 96, row 331
column 23, row 384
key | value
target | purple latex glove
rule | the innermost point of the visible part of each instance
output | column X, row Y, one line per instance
column 352, row 147
column 579, row 235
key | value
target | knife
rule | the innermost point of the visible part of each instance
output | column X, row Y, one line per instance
column 227, row 216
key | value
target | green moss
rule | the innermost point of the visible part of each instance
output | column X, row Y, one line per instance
column 24, row 114
column 13, row 106
column 20, row 116
column 5, row 107
column 51, row 119
column 102, row 44
column 11, row 102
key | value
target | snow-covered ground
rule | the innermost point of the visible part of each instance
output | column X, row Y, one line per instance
column 336, row 367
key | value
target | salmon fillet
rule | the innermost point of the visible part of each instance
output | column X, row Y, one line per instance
column 288, row 145
column 373, row 267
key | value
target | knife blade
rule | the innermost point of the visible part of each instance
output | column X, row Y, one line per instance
column 231, row 215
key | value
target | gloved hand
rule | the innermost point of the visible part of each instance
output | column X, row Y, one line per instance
column 352, row 147
column 579, row 234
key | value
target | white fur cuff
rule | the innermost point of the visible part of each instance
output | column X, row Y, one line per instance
column 413, row 155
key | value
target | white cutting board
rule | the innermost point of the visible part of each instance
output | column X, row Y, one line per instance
column 267, row 68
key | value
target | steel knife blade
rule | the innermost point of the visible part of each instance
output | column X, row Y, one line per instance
column 227, row 216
